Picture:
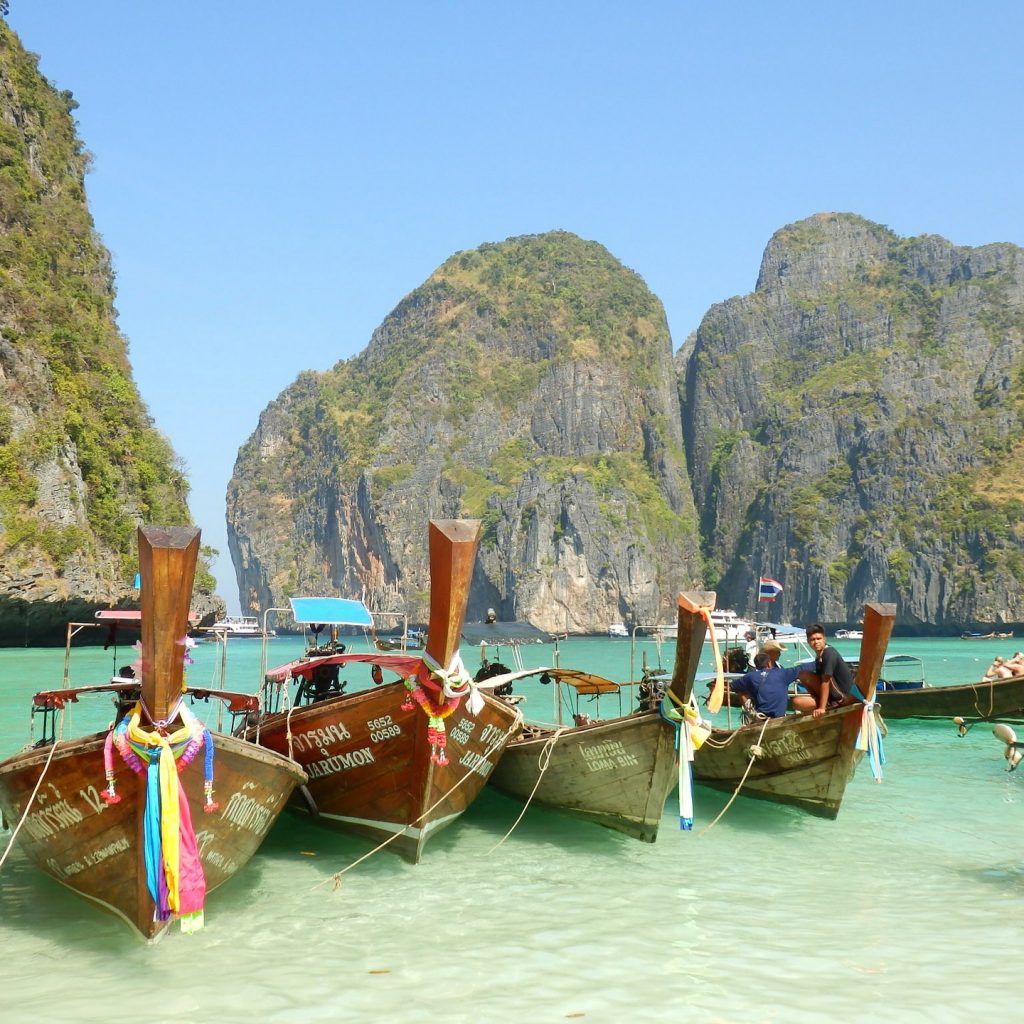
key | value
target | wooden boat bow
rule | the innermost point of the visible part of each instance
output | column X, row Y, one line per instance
column 167, row 565
column 452, row 544
column 878, row 622
column 693, row 608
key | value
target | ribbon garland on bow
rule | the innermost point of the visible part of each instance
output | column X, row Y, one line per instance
column 869, row 739
column 691, row 732
column 174, row 872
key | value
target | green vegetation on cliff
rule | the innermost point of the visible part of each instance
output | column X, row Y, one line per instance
column 71, row 405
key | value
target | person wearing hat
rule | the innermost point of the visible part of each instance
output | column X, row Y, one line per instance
column 831, row 682
column 768, row 686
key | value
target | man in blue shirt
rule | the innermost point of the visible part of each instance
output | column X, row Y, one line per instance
column 768, row 686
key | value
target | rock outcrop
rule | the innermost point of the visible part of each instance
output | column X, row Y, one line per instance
column 853, row 427
column 529, row 384
column 81, row 463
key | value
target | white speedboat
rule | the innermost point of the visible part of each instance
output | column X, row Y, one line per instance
column 849, row 634
column 235, row 627
column 618, row 630
column 729, row 627
column 784, row 632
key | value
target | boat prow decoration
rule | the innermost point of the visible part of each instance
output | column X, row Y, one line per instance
column 127, row 817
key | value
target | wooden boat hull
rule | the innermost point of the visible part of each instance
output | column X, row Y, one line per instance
column 617, row 773
column 1000, row 698
column 370, row 768
column 806, row 761
column 95, row 848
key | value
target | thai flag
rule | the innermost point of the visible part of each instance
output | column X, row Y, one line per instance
column 768, row 589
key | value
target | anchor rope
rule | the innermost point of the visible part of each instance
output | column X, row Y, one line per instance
column 543, row 760
column 39, row 782
column 517, row 724
column 739, row 785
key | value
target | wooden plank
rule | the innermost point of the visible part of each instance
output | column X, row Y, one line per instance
column 692, row 628
column 878, row 621
column 167, row 565
column 453, row 544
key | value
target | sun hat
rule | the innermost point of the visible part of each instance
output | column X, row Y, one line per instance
column 772, row 645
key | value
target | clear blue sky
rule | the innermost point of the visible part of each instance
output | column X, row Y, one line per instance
column 272, row 178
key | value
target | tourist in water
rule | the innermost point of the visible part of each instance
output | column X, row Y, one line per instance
column 767, row 687
column 832, row 681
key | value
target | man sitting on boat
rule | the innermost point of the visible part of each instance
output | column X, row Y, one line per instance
column 767, row 687
column 831, row 683
column 1000, row 669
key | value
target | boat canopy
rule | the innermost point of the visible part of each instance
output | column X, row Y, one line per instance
column 330, row 611
column 128, row 617
column 119, row 616
column 499, row 633
column 584, row 682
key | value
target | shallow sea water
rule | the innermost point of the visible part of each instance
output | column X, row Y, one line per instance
column 907, row 907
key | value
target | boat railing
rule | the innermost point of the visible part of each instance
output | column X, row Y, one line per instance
column 50, row 704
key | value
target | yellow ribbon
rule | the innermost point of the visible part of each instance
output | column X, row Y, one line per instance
column 170, row 815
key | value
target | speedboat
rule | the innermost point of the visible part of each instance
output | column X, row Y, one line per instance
column 618, row 630
column 729, row 627
column 849, row 634
column 234, row 627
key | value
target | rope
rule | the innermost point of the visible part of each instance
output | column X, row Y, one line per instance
column 739, row 786
column 983, row 716
column 288, row 730
column 516, row 726
column 31, row 799
column 722, row 744
column 991, row 699
column 543, row 760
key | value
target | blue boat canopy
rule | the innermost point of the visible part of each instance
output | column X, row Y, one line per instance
column 330, row 611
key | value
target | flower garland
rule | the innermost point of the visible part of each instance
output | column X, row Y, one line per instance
column 436, row 714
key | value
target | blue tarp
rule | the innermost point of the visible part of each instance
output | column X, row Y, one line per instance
column 330, row 611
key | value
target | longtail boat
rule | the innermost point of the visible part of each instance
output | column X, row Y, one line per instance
column 400, row 761
column 799, row 759
column 616, row 771
column 988, row 700
column 128, row 817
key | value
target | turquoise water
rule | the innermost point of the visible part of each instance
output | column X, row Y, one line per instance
column 907, row 907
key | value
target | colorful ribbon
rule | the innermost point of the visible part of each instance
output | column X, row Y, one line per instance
column 869, row 739
column 174, row 872
column 691, row 731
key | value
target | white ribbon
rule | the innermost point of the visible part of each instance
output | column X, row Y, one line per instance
column 457, row 682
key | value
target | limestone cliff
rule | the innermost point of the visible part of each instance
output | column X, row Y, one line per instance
column 853, row 427
column 528, row 383
column 81, row 462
